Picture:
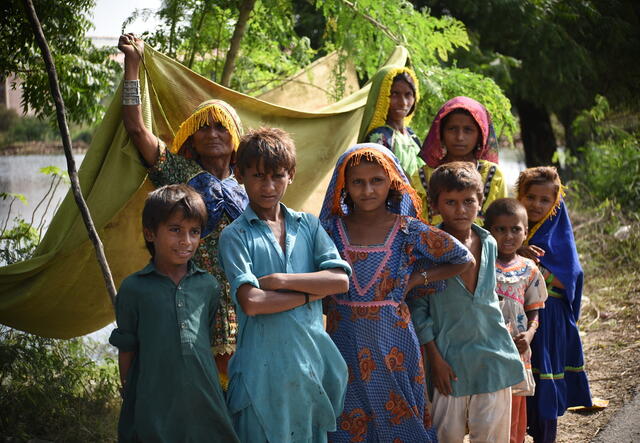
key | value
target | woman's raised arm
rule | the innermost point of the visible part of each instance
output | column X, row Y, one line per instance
column 142, row 138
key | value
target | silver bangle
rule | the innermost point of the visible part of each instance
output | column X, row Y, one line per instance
column 131, row 92
column 132, row 100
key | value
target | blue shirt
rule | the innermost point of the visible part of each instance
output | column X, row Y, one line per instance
column 285, row 365
column 469, row 330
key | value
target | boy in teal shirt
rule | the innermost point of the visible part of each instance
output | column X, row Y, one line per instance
column 472, row 359
column 287, row 378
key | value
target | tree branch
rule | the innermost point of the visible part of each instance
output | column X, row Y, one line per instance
column 66, row 143
column 373, row 21
column 234, row 47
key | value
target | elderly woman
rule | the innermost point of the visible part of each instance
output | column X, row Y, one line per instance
column 202, row 155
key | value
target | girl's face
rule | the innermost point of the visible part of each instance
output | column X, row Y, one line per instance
column 460, row 135
column 509, row 232
column 368, row 186
column 538, row 200
column 401, row 100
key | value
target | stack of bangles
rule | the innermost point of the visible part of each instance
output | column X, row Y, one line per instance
column 131, row 92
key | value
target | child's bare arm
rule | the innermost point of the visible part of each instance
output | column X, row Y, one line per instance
column 254, row 301
column 438, row 272
column 322, row 283
column 441, row 372
column 551, row 279
column 532, row 252
column 523, row 339
column 124, row 364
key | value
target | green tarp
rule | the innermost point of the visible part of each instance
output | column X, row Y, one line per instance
column 60, row 292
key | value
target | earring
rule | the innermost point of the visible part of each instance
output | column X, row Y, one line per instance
column 290, row 180
column 444, row 150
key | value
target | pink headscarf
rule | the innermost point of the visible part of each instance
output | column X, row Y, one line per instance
column 433, row 152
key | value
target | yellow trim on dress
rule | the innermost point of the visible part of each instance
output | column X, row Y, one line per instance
column 382, row 104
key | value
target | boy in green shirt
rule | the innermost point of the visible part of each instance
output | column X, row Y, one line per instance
column 165, row 315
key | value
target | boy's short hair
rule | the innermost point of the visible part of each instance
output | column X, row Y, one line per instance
column 537, row 176
column 455, row 176
column 272, row 148
column 162, row 203
column 505, row 206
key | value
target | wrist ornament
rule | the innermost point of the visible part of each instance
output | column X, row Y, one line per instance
column 131, row 92
column 425, row 275
column 533, row 324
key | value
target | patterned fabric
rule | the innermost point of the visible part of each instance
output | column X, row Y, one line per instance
column 371, row 324
column 405, row 145
column 432, row 150
column 225, row 201
column 495, row 187
column 520, row 288
column 557, row 358
column 172, row 392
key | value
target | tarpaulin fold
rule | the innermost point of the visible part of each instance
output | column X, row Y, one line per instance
column 60, row 292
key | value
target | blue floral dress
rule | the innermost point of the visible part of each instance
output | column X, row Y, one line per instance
column 371, row 325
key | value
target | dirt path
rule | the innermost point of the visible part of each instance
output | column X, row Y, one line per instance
column 612, row 353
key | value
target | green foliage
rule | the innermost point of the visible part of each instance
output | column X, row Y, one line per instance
column 609, row 166
column 86, row 73
column 283, row 37
column 52, row 390
column 27, row 129
column 8, row 118
column 19, row 241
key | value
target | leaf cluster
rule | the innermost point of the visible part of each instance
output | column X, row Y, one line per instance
column 609, row 169
column 86, row 73
column 52, row 390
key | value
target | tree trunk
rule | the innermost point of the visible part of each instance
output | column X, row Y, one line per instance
column 66, row 144
column 537, row 134
column 245, row 10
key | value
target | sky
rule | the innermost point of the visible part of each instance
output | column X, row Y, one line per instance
column 108, row 16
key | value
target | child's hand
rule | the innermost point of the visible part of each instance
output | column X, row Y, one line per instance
column 523, row 340
column 271, row 282
column 531, row 251
column 442, row 376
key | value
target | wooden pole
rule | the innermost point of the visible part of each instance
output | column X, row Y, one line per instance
column 66, row 143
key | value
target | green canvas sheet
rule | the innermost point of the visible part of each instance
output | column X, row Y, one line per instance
column 60, row 292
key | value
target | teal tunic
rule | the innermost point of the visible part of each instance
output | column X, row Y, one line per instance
column 287, row 377
column 469, row 330
column 172, row 391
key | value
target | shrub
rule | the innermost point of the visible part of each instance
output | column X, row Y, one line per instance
column 52, row 390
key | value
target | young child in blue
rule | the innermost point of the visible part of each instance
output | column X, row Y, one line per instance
column 472, row 359
column 165, row 315
column 287, row 378
column 557, row 360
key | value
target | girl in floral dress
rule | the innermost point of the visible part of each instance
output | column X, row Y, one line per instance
column 369, row 212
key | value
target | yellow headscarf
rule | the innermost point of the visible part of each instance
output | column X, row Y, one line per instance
column 220, row 111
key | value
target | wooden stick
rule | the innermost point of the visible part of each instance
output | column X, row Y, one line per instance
column 66, row 143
